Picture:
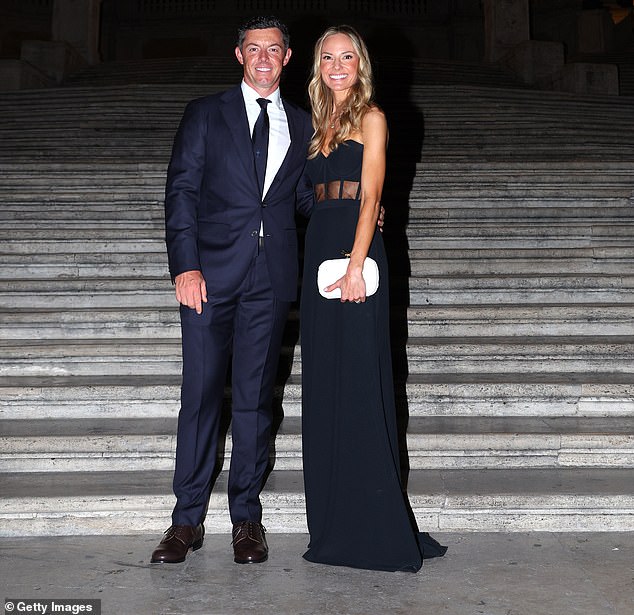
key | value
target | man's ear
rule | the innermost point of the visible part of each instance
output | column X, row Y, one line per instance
column 287, row 57
column 239, row 55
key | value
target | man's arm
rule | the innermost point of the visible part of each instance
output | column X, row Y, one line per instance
column 304, row 195
column 182, row 191
column 182, row 194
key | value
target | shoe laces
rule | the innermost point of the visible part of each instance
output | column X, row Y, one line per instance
column 249, row 530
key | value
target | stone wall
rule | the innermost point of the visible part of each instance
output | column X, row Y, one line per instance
column 534, row 38
column 22, row 20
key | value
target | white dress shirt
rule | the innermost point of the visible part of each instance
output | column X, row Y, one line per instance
column 279, row 136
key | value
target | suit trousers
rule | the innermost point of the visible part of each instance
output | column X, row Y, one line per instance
column 248, row 328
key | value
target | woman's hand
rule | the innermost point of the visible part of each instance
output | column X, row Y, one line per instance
column 352, row 285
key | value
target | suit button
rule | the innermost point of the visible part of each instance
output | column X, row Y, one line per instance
column 254, row 233
column 264, row 203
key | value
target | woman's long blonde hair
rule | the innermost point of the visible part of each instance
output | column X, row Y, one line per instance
column 322, row 101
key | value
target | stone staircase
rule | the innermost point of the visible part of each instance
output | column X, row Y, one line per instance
column 210, row 69
column 513, row 288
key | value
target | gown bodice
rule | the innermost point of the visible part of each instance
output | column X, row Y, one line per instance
column 343, row 163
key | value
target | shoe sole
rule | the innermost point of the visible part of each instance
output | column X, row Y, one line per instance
column 251, row 561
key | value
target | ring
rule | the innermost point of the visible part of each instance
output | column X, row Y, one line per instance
column 358, row 301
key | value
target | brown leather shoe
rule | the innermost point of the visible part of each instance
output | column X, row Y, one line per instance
column 249, row 543
column 176, row 543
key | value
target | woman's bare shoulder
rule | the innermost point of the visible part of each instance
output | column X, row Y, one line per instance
column 374, row 123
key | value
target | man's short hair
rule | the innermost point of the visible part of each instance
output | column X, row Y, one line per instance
column 263, row 23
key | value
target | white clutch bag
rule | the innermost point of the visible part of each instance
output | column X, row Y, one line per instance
column 331, row 270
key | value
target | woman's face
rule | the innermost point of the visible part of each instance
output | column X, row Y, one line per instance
column 339, row 64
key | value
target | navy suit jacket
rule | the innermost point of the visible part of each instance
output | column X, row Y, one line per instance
column 213, row 207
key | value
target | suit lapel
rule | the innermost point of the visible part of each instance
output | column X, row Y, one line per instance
column 293, row 149
column 235, row 116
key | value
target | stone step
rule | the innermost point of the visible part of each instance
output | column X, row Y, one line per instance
column 68, row 248
column 554, row 204
column 424, row 321
column 551, row 171
column 536, row 214
column 488, row 232
column 519, row 320
column 136, row 252
column 25, row 191
column 509, row 289
column 588, row 261
column 426, row 228
column 513, row 283
column 464, row 173
column 422, row 206
column 29, row 237
column 117, row 266
column 432, row 189
column 531, row 233
column 90, row 180
column 64, row 216
column 602, row 261
column 448, row 321
column 467, row 175
column 479, row 395
column 82, row 253
column 511, row 355
column 587, row 499
column 92, row 293
column 110, row 445
column 70, row 195
column 621, row 251
column 97, row 293
column 84, row 231
column 519, row 355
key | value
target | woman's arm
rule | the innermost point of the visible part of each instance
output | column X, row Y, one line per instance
column 374, row 135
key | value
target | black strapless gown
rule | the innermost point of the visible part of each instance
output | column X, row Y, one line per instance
column 357, row 513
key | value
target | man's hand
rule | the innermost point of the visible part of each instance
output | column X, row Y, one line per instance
column 191, row 290
column 381, row 219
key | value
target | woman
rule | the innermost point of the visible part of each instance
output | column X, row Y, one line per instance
column 357, row 513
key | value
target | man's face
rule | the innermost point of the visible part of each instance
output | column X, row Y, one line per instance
column 262, row 57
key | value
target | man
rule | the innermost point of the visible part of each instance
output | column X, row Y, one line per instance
column 232, row 251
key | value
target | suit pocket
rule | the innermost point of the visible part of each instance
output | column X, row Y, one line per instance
column 213, row 235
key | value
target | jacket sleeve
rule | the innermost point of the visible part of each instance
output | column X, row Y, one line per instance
column 304, row 190
column 183, row 189
column 304, row 195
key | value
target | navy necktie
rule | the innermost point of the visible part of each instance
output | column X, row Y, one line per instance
column 260, row 141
